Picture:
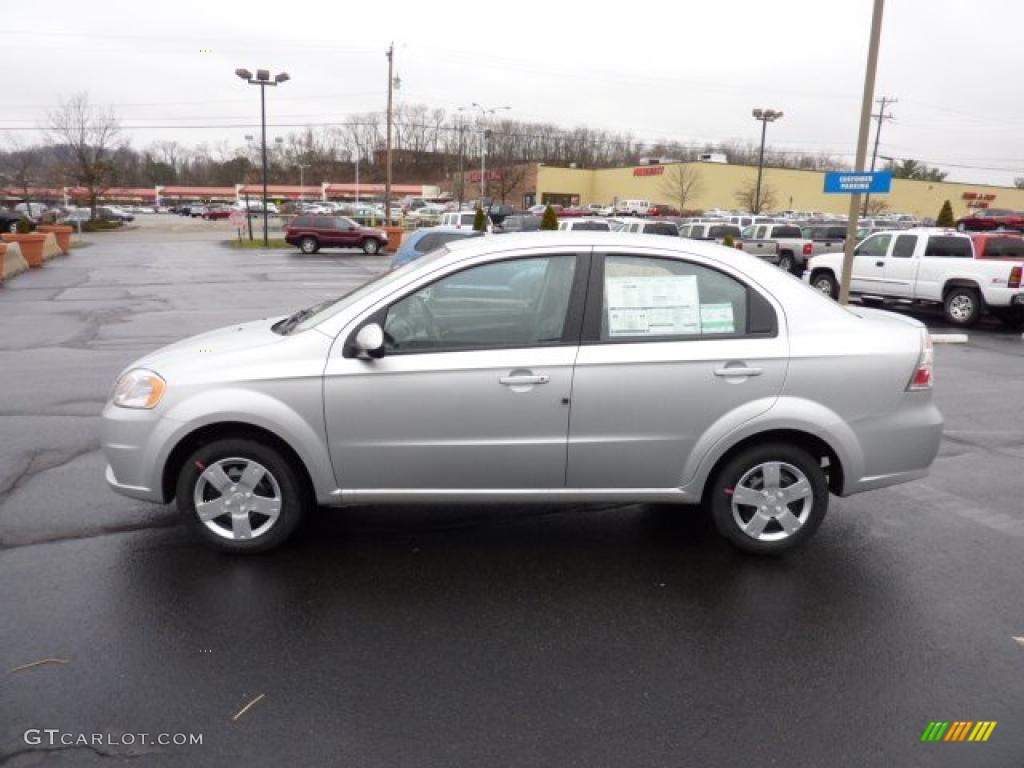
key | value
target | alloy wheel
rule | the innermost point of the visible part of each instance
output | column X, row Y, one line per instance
column 237, row 499
column 772, row 501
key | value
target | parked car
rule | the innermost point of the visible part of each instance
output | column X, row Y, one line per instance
column 113, row 213
column 991, row 218
column 32, row 210
column 311, row 233
column 520, row 223
column 425, row 240
column 779, row 244
column 9, row 220
column 632, row 207
column 649, row 227
column 76, row 215
column 759, row 397
column 462, row 220
column 825, row 238
column 589, row 224
column 663, row 209
column 538, row 210
column 215, row 212
column 709, row 231
column 927, row 265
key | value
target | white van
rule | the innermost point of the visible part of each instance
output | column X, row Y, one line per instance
column 462, row 220
column 633, row 207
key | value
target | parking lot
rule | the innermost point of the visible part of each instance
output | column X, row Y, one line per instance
column 590, row 635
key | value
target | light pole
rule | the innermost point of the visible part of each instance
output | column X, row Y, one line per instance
column 765, row 116
column 483, row 112
column 262, row 79
column 302, row 181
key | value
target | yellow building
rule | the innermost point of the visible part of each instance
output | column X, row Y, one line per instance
column 719, row 183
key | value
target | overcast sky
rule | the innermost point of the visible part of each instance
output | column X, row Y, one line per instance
column 675, row 70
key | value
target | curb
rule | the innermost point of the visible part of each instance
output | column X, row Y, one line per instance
column 948, row 338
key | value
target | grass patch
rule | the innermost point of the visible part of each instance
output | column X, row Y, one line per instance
column 257, row 244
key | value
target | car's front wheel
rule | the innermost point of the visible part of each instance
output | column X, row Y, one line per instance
column 371, row 246
column 309, row 245
column 241, row 495
column 769, row 498
column 826, row 283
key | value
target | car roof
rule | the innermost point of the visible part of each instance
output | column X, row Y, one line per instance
column 922, row 231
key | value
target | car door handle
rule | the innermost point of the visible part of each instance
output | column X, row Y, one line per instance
column 879, row 263
column 519, row 381
column 738, row 371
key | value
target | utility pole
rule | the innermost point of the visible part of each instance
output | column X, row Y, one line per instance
column 387, row 178
column 462, row 173
column 765, row 116
column 880, row 117
column 862, row 147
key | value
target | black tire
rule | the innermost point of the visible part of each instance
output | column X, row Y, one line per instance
column 309, row 245
column 962, row 306
column 1011, row 317
column 293, row 497
column 727, row 479
column 787, row 263
column 371, row 246
column 822, row 280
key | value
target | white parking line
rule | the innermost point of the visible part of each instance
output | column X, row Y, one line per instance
column 948, row 338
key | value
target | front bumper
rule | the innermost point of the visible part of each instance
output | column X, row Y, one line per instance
column 134, row 443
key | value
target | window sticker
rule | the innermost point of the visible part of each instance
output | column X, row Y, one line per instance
column 666, row 305
column 716, row 318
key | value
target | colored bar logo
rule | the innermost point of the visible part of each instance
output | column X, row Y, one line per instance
column 958, row 730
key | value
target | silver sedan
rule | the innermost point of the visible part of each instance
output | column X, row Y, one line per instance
column 544, row 367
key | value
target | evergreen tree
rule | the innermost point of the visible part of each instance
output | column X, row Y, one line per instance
column 550, row 219
column 945, row 216
column 479, row 220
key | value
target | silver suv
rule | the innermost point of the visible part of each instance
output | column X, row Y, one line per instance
column 547, row 367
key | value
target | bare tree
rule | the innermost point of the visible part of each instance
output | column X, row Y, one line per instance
column 682, row 183
column 86, row 139
column 746, row 196
column 24, row 164
column 506, row 179
column 876, row 207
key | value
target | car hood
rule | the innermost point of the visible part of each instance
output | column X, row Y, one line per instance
column 207, row 347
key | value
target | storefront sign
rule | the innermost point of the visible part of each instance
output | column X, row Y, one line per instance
column 978, row 199
column 649, row 170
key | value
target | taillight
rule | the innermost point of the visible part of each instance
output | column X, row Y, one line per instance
column 808, row 248
column 922, row 378
column 739, row 245
column 1015, row 277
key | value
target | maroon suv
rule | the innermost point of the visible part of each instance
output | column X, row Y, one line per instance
column 311, row 233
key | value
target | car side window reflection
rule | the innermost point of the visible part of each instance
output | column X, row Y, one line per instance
column 876, row 246
column 513, row 303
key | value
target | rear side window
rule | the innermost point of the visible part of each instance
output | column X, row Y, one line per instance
column 697, row 232
column 786, row 232
column 904, row 247
column 593, row 226
column 944, row 246
column 836, row 233
column 1004, row 248
column 467, row 219
column 722, row 231
column 650, row 298
column 303, row 221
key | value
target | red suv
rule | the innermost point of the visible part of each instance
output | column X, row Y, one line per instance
column 991, row 218
column 311, row 233
column 998, row 245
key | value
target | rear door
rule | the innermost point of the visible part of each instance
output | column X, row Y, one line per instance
column 661, row 335
column 760, row 246
column 936, row 259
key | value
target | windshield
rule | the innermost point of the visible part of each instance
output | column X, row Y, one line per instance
column 316, row 314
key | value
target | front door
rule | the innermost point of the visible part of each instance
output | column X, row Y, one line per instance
column 473, row 389
column 675, row 347
column 869, row 265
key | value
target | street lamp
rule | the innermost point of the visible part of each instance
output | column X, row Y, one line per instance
column 262, row 79
column 483, row 112
column 302, row 181
column 765, row 116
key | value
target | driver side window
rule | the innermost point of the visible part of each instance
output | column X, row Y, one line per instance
column 513, row 303
column 877, row 246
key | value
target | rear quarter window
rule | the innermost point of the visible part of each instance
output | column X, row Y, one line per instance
column 786, row 232
column 944, row 246
column 1004, row 248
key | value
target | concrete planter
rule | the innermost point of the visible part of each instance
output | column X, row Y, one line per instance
column 62, row 232
column 394, row 238
column 11, row 261
column 31, row 246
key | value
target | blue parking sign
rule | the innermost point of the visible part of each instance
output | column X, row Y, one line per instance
column 847, row 183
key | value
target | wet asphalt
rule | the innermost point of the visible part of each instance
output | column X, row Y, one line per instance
column 591, row 635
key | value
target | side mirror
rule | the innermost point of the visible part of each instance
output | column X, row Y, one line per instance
column 369, row 342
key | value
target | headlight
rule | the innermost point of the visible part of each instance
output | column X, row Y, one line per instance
column 139, row 389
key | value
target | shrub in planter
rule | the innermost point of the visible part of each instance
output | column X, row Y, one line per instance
column 729, row 241
column 99, row 225
column 550, row 219
column 945, row 216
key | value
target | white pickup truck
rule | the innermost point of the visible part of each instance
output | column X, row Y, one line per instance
column 781, row 244
column 927, row 264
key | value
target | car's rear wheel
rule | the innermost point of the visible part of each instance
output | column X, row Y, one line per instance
column 786, row 262
column 769, row 498
column 309, row 245
column 371, row 246
column 962, row 306
column 241, row 496
column 826, row 283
